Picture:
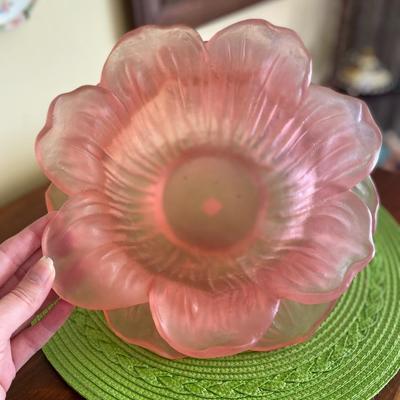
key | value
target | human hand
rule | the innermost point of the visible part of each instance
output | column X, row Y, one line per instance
column 26, row 279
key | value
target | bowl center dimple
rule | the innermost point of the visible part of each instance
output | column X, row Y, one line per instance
column 211, row 201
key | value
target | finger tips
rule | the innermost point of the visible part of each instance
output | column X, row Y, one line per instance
column 28, row 264
column 16, row 250
column 19, row 247
column 13, row 280
column 41, row 273
column 27, row 297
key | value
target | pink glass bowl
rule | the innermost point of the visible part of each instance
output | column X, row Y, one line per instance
column 211, row 200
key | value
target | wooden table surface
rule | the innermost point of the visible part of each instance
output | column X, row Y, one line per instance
column 38, row 380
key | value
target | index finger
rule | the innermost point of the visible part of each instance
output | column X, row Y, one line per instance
column 14, row 251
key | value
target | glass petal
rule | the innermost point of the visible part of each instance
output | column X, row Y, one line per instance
column 367, row 192
column 148, row 59
column 293, row 323
column 200, row 324
column 259, row 74
column 135, row 325
column 88, row 240
column 55, row 198
column 73, row 144
column 329, row 147
column 319, row 262
column 266, row 64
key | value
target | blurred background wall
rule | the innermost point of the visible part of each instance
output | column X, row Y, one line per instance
column 64, row 45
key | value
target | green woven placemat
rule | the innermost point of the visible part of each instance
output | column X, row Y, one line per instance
column 352, row 356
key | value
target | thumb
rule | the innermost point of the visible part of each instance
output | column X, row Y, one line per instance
column 22, row 302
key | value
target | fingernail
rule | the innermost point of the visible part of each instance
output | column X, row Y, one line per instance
column 42, row 271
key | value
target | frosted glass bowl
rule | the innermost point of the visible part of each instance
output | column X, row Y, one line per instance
column 211, row 200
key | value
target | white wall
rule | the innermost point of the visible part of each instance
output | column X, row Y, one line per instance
column 65, row 44
column 62, row 46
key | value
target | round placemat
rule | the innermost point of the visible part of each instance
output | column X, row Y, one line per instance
column 353, row 355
